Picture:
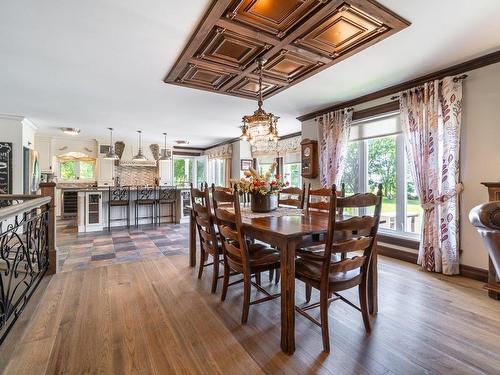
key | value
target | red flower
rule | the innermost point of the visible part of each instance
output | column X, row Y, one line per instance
column 277, row 176
column 263, row 183
column 287, row 183
column 273, row 183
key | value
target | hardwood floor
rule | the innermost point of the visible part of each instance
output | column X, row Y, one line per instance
column 155, row 316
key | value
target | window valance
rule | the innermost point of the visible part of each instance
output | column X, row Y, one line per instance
column 220, row 152
column 281, row 149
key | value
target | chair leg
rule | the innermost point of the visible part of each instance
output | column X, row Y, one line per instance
column 363, row 301
column 271, row 274
column 109, row 217
column 323, row 299
column 246, row 297
column 308, row 292
column 225, row 283
column 258, row 278
column 202, row 263
column 215, row 273
column 277, row 279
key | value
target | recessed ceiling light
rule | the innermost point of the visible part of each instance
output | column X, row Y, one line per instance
column 182, row 142
column 71, row 131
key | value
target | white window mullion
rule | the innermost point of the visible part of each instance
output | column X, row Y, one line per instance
column 363, row 170
column 400, row 184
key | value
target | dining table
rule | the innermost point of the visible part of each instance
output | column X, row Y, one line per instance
column 288, row 229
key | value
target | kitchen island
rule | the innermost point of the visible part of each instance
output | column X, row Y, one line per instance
column 92, row 208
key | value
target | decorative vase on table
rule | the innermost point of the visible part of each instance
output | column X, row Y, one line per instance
column 263, row 190
column 263, row 203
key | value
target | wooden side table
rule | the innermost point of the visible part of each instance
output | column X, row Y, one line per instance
column 493, row 279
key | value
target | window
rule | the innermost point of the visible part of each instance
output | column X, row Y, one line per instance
column 292, row 169
column 217, row 171
column 183, row 170
column 376, row 155
column 291, row 174
column 74, row 169
column 264, row 168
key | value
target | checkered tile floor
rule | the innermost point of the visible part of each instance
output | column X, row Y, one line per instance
column 78, row 251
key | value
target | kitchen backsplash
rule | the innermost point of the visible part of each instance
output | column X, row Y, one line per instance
column 136, row 175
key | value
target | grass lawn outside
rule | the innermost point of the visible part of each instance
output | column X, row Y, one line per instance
column 389, row 205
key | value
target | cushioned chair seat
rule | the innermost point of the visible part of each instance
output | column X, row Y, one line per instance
column 261, row 255
column 311, row 270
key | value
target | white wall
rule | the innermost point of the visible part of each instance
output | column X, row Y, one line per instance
column 11, row 130
column 241, row 150
column 29, row 131
column 480, row 151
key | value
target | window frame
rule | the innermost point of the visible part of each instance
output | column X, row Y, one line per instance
column 216, row 171
column 77, row 170
column 400, row 231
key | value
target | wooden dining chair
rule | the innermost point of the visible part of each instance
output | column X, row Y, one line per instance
column 240, row 255
column 319, row 199
column 209, row 243
column 292, row 196
column 222, row 188
column 328, row 272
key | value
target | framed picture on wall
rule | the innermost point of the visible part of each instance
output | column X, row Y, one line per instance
column 5, row 168
column 246, row 164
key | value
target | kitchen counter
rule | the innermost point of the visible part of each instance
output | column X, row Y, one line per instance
column 93, row 208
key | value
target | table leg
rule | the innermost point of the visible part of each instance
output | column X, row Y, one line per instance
column 287, row 250
column 373, row 283
column 192, row 241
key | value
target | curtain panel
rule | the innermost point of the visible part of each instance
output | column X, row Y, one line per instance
column 333, row 136
column 431, row 119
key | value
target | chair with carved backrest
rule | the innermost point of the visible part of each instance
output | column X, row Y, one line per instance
column 328, row 272
column 318, row 199
column 292, row 196
column 167, row 197
column 146, row 196
column 209, row 242
column 119, row 197
column 240, row 255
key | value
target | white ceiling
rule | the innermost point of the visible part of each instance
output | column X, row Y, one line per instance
column 98, row 63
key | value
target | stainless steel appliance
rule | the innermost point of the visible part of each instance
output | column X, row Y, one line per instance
column 31, row 172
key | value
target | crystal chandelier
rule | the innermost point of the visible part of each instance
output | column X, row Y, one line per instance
column 260, row 129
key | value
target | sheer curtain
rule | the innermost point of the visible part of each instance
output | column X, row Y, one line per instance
column 334, row 129
column 431, row 118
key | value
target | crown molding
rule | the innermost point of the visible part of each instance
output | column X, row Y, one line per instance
column 466, row 66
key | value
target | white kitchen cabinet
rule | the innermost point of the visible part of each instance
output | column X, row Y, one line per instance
column 93, row 219
column 105, row 172
column 43, row 146
column 165, row 172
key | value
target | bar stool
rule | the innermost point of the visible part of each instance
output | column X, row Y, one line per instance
column 145, row 197
column 167, row 196
column 119, row 197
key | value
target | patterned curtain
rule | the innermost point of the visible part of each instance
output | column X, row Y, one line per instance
column 334, row 129
column 431, row 117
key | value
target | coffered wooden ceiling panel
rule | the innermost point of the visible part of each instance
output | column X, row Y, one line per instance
column 298, row 38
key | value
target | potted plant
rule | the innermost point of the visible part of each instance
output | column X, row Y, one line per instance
column 263, row 190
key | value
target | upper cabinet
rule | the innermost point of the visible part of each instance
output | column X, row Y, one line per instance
column 105, row 169
column 43, row 145
column 165, row 172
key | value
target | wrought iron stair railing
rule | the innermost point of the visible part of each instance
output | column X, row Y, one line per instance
column 24, row 257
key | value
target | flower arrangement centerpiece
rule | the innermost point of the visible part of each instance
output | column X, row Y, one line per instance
column 263, row 190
